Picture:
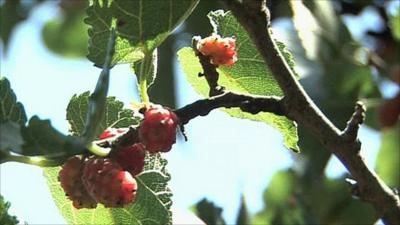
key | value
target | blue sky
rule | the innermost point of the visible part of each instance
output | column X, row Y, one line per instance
column 237, row 156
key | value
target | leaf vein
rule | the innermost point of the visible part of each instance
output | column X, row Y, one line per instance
column 126, row 12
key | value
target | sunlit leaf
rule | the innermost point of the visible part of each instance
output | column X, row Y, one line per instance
column 249, row 75
column 254, row 84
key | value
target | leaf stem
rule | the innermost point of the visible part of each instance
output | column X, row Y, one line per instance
column 143, row 88
column 145, row 69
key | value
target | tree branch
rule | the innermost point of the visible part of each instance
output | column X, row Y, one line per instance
column 247, row 103
column 254, row 17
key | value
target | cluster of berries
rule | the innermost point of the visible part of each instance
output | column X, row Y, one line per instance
column 110, row 180
column 222, row 51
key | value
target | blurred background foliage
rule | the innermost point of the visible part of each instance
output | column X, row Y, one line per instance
column 338, row 67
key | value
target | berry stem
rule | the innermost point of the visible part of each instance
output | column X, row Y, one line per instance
column 97, row 150
column 97, row 100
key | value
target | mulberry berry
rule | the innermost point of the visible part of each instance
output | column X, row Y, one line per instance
column 222, row 51
column 70, row 179
column 130, row 158
column 157, row 131
column 108, row 183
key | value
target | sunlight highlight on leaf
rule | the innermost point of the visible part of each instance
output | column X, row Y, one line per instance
column 249, row 75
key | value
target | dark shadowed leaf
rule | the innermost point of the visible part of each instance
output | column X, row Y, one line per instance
column 37, row 138
column 42, row 139
column 10, row 136
column 209, row 212
column 10, row 109
column 115, row 116
column 142, row 25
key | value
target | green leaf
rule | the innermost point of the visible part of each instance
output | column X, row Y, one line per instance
column 257, row 83
column 388, row 161
column 142, row 25
column 249, row 75
column 395, row 24
column 10, row 109
column 151, row 207
column 115, row 115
